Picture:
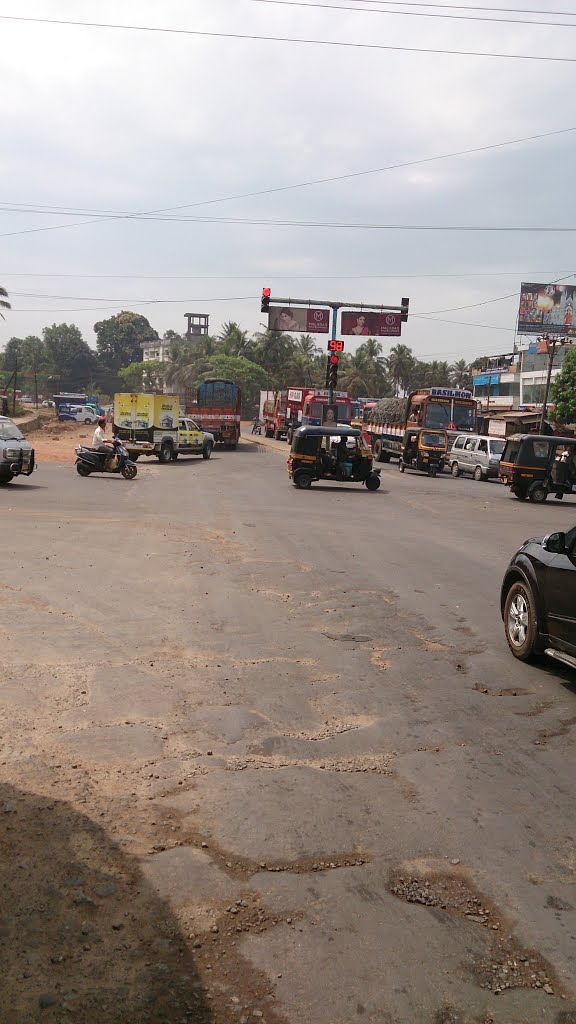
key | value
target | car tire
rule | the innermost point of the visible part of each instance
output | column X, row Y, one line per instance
column 165, row 453
column 303, row 480
column 88, row 422
column 478, row 474
column 207, row 451
column 521, row 621
column 519, row 493
column 377, row 450
column 455, row 469
column 6, row 479
column 537, row 493
column 373, row 482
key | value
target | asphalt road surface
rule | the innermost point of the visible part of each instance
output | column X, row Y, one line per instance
column 265, row 755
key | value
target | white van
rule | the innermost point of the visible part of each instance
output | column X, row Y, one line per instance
column 78, row 413
column 475, row 454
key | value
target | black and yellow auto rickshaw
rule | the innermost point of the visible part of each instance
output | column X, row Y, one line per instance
column 425, row 450
column 335, row 453
column 536, row 465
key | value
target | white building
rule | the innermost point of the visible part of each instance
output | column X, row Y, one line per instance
column 157, row 349
column 516, row 379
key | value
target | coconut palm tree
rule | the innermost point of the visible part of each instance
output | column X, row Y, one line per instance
column 399, row 363
column 4, row 304
column 460, row 376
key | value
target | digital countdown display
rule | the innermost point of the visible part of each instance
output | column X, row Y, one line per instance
column 335, row 346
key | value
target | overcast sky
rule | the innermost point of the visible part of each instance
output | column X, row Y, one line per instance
column 126, row 121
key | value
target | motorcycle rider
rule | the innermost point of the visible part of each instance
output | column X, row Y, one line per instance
column 100, row 443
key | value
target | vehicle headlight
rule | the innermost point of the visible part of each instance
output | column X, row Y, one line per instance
column 11, row 453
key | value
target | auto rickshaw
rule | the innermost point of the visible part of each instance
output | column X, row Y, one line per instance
column 425, row 450
column 336, row 453
column 536, row 465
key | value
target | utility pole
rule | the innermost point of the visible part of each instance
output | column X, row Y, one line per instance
column 551, row 354
column 15, row 380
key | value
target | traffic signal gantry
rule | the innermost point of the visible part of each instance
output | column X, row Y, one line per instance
column 335, row 346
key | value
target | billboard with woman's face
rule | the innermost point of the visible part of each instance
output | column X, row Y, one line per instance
column 371, row 325
column 298, row 318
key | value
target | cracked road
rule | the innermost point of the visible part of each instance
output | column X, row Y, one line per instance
column 264, row 754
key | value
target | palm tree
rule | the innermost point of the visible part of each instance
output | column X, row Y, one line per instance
column 460, row 376
column 399, row 364
column 233, row 340
column 4, row 304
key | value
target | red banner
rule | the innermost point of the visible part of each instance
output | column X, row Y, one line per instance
column 371, row 325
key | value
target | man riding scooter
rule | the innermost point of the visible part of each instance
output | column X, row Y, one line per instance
column 100, row 442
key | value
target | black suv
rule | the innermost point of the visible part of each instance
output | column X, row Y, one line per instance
column 538, row 599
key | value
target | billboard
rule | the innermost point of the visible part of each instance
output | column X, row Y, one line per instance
column 547, row 308
column 288, row 318
column 371, row 325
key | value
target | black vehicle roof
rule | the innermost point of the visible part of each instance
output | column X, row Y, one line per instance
column 539, row 437
column 334, row 431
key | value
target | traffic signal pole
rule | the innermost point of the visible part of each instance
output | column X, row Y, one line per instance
column 335, row 306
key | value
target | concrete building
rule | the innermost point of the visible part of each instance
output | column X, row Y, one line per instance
column 516, row 379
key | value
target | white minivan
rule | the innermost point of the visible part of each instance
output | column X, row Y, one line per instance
column 78, row 413
column 480, row 456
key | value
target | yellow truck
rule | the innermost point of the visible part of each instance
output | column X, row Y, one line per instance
column 150, row 424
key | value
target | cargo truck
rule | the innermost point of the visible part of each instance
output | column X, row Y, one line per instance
column 152, row 425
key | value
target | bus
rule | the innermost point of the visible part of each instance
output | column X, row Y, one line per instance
column 449, row 409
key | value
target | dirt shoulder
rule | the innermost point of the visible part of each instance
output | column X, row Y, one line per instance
column 54, row 441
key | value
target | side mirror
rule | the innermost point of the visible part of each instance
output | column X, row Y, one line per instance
column 555, row 542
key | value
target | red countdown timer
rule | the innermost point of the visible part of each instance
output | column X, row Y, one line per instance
column 335, row 346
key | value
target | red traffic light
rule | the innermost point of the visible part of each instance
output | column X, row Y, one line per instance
column 265, row 303
column 334, row 360
column 265, row 293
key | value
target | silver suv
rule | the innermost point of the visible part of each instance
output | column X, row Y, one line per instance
column 480, row 456
column 16, row 455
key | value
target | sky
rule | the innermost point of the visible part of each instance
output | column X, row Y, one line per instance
column 116, row 121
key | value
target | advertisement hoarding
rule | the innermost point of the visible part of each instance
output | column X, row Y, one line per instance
column 292, row 319
column 371, row 325
column 547, row 308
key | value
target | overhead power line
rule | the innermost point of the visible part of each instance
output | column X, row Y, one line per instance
column 251, row 37
column 532, row 275
column 469, row 7
column 114, row 215
column 417, row 14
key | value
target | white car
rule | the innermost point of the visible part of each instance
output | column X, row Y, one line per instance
column 78, row 413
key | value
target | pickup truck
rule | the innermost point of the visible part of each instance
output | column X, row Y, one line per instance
column 191, row 440
column 16, row 454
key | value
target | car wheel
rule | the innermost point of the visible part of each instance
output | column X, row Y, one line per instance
column 521, row 621
column 6, row 480
column 88, row 422
column 373, row 482
column 207, row 451
column 455, row 469
column 519, row 493
column 377, row 450
column 165, row 453
column 538, row 494
column 303, row 480
column 478, row 474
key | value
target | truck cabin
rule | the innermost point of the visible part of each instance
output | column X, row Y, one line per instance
column 443, row 409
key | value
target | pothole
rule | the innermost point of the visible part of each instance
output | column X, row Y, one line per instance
column 509, row 691
column 504, row 963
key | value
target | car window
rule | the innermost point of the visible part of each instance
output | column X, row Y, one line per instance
column 9, row 431
column 497, row 447
column 459, row 442
column 193, row 425
column 483, row 446
column 183, row 425
column 470, row 445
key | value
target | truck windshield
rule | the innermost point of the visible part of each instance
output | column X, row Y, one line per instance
column 9, row 431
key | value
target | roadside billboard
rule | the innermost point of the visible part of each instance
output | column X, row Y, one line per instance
column 299, row 318
column 371, row 325
column 547, row 308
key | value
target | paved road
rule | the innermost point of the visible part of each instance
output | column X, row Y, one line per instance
column 265, row 751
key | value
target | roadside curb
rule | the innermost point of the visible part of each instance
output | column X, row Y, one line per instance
column 267, row 446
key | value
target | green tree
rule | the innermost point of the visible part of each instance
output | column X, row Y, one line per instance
column 400, row 363
column 251, row 378
column 4, row 304
column 120, row 338
column 563, row 390
column 13, row 355
column 148, row 376
column 34, row 359
column 460, row 375
column 68, row 355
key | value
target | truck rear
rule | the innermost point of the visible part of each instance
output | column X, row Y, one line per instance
column 217, row 410
column 147, row 424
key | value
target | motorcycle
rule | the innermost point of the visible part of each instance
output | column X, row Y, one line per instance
column 118, row 461
column 256, row 427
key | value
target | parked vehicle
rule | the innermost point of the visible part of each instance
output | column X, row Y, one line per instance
column 480, row 456
column 538, row 599
column 89, row 461
column 147, row 423
column 77, row 414
column 447, row 409
column 536, row 465
column 424, row 450
column 16, row 454
column 331, row 453
column 216, row 407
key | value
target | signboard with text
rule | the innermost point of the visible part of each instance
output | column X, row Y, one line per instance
column 371, row 325
column 298, row 318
